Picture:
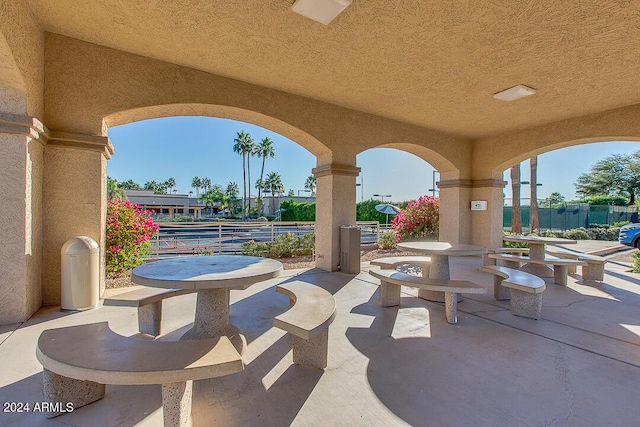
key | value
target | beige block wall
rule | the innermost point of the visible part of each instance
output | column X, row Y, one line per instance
column 455, row 215
column 75, row 205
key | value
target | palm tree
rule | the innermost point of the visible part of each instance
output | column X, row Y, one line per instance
column 516, row 210
column 265, row 150
column 310, row 184
column 232, row 193
column 251, row 151
column 535, row 224
column 170, row 183
column 273, row 183
column 242, row 145
column 196, row 183
column 206, row 184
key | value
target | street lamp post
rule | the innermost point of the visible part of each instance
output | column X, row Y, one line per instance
column 383, row 196
column 531, row 202
column 433, row 189
column 361, row 185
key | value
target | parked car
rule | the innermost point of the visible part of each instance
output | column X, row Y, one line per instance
column 630, row 235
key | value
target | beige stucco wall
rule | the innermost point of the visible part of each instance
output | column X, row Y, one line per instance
column 75, row 192
column 21, row 161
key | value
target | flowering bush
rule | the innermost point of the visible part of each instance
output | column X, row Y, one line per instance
column 129, row 232
column 419, row 219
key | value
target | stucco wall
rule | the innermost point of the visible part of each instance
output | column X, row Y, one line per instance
column 86, row 83
column 74, row 206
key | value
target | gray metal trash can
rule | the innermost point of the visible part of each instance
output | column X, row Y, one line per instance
column 350, row 249
column 80, row 274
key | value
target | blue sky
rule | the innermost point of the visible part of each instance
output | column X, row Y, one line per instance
column 184, row 147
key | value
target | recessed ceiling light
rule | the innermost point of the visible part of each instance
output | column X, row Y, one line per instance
column 322, row 11
column 514, row 93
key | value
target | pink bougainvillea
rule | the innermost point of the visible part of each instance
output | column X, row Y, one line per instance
column 419, row 219
column 129, row 233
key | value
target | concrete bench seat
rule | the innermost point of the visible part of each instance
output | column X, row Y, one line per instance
column 593, row 270
column 513, row 264
column 391, row 280
column 148, row 301
column 525, row 290
column 312, row 309
column 79, row 360
column 394, row 262
column 560, row 266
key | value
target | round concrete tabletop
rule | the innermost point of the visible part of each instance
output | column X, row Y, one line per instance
column 442, row 248
column 539, row 240
column 206, row 272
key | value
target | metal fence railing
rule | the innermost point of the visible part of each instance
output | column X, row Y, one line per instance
column 193, row 238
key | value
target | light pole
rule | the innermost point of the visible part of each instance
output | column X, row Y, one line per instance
column 433, row 188
column 533, row 204
column 383, row 196
column 361, row 185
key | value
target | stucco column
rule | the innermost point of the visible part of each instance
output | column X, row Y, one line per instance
column 21, row 150
column 335, row 206
column 455, row 211
column 486, row 225
column 75, row 200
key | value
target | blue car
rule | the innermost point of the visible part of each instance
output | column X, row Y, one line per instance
column 630, row 235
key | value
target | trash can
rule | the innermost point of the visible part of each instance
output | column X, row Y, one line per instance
column 80, row 274
column 350, row 249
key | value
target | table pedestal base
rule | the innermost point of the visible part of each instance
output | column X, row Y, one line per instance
column 539, row 270
column 212, row 319
column 439, row 269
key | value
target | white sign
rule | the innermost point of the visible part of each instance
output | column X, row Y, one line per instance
column 478, row 205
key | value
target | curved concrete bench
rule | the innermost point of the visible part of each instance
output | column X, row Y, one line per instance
column 525, row 290
column 148, row 301
column 312, row 309
column 79, row 360
column 391, row 280
column 594, row 270
column 513, row 264
column 394, row 262
column 560, row 266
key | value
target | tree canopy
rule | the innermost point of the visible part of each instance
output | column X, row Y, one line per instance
column 616, row 175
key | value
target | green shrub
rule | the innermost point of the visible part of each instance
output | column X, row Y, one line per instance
column 253, row 248
column 620, row 224
column 387, row 240
column 294, row 211
column 577, row 234
column 513, row 244
column 603, row 232
column 636, row 262
column 605, row 200
column 306, row 244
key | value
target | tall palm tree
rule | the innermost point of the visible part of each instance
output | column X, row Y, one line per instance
column 310, row 184
column 206, row 184
column 232, row 193
column 535, row 224
column 170, row 183
column 273, row 183
column 265, row 150
column 196, row 183
column 252, row 150
column 516, row 210
column 242, row 145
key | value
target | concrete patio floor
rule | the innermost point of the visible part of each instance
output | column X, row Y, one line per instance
column 577, row 366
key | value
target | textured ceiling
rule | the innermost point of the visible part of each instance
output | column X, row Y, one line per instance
column 432, row 63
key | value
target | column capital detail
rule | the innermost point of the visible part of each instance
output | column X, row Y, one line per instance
column 335, row 169
column 19, row 124
column 468, row 183
column 83, row 141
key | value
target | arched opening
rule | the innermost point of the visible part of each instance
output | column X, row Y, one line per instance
column 560, row 206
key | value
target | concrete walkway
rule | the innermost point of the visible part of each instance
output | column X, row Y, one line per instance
column 577, row 366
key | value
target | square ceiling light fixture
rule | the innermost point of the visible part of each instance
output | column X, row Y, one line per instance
column 514, row 93
column 322, row 11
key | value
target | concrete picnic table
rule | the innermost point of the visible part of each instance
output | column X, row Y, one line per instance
column 440, row 253
column 212, row 277
column 537, row 252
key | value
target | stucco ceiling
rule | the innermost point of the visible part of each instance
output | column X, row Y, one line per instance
column 432, row 63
